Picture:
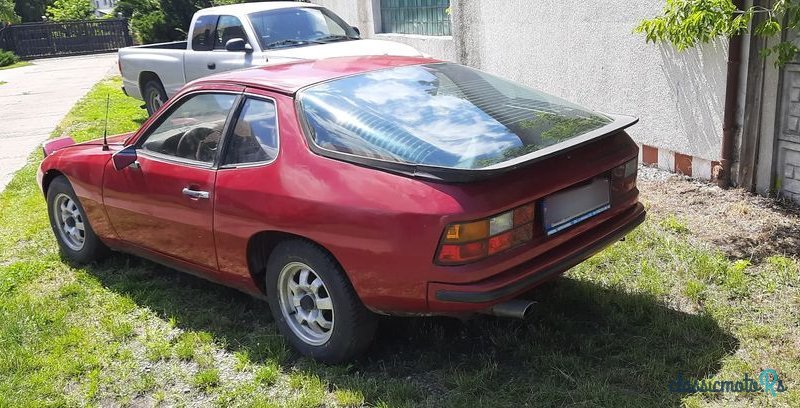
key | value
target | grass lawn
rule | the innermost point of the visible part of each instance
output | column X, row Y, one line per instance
column 615, row 331
column 17, row 65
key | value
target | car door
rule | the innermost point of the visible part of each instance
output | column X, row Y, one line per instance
column 164, row 201
column 249, row 185
column 208, row 43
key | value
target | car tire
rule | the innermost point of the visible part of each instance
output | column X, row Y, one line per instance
column 154, row 96
column 75, row 236
column 321, row 294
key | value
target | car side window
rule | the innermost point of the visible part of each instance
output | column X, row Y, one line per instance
column 255, row 135
column 193, row 130
column 228, row 28
column 202, row 35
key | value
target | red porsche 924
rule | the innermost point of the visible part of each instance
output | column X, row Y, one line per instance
column 343, row 188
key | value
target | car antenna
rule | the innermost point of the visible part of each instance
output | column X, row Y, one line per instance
column 105, row 128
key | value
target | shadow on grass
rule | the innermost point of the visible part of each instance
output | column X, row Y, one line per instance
column 584, row 345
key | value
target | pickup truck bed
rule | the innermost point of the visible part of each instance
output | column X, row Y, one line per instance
column 174, row 45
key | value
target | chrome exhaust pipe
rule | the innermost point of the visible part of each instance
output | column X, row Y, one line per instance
column 515, row 308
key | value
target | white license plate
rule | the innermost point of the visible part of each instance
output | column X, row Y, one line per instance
column 569, row 207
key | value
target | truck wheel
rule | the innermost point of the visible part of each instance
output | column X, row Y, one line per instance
column 75, row 236
column 314, row 305
column 154, row 96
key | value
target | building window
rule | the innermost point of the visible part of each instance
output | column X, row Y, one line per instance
column 424, row 17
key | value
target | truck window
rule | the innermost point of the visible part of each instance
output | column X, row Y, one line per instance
column 292, row 26
column 228, row 28
column 202, row 38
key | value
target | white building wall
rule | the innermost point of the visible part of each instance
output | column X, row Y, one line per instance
column 586, row 52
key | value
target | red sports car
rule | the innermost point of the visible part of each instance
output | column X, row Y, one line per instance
column 343, row 188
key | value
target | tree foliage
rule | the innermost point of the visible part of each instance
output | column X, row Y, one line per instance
column 31, row 10
column 66, row 10
column 7, row 13
column 163, row 20
column 147, row 20
column 687, row 23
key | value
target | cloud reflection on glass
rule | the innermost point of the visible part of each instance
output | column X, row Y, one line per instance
column 442, row 115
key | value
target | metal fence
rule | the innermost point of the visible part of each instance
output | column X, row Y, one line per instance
column 424, row 17
column 51, row 39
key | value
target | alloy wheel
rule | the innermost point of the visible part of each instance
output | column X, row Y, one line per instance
column 69, row 222
column 305, row 303
column 155, row 100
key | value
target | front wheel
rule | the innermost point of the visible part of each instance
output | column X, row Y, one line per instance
column 74, row 234
column 314, row 305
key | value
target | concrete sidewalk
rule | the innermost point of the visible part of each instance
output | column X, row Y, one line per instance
column 35, row 98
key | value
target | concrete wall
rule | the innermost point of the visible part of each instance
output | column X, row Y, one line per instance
column 584, row 52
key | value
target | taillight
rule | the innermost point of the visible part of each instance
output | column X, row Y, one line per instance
column 471, row 241
column 626, row 170
column 623, row 178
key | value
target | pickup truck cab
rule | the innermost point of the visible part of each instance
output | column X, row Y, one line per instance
column 242, row 35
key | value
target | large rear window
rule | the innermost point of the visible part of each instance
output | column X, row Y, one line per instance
column 443, row 115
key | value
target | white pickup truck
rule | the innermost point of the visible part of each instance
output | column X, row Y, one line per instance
column 242, row 35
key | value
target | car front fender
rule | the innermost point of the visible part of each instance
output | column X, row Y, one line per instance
column 51, row 146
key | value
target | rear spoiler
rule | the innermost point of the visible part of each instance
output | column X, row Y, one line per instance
column 49, row 147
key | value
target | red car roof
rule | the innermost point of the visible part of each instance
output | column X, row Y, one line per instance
column 290, row 77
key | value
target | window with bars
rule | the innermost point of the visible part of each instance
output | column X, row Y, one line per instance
column 424, row 17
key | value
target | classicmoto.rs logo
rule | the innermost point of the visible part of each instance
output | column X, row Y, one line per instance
column 768, row 382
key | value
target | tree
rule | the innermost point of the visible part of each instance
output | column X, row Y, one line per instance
column 162, row 20
column 147, row 20
column 65, row 10
column 686, row 23
column 31, row 10
column 7, row 13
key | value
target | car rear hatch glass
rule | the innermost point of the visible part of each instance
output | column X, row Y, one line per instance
column 444, row 120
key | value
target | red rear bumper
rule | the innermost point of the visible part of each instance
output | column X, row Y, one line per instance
column 450, row 298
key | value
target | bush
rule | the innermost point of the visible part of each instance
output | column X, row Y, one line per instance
column 152, row 28
column 7, row 58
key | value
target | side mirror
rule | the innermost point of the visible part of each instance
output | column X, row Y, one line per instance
column 356, row 30
column 124, row 158
column 238, row 44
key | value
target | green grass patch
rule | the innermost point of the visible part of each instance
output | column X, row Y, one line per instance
column 17, row 65
column 207, row 379
column 614, row 332
column 268, row 373
column 673, row 224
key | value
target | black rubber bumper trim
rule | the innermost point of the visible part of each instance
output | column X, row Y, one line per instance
column 489, row 296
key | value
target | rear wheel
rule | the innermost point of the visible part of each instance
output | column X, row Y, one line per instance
column 314, row 305
column 76, row 239
column 154, row 95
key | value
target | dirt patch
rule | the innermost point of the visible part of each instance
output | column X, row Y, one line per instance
column 740, row 224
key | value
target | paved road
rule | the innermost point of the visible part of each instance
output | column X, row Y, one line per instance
column 35, row 98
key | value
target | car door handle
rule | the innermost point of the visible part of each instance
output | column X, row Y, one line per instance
column 212, row 65
column 195, row 193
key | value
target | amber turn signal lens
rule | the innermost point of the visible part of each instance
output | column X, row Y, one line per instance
column 472, row 241
column 467, row 232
